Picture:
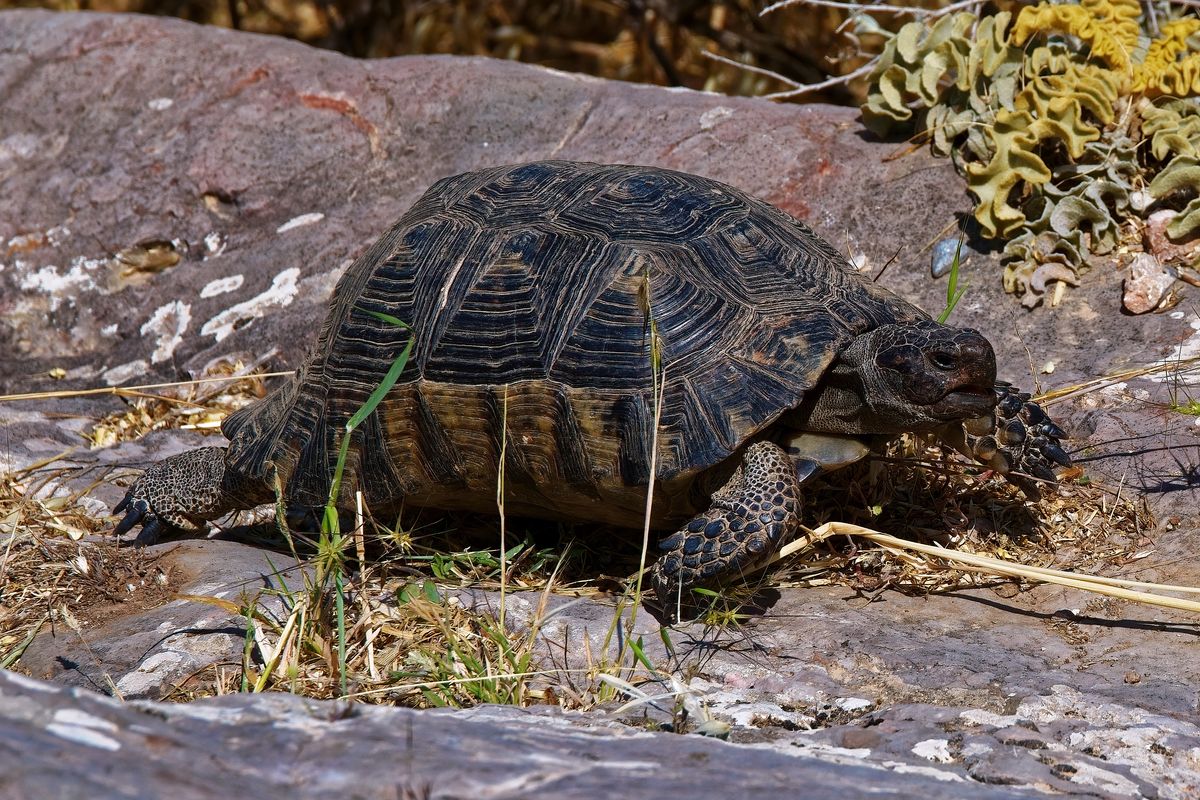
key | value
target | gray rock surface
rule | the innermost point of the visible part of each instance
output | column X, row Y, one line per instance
column 171, row 194
column 149, row 652
column 70, row 743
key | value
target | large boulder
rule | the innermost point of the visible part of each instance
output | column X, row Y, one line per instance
column 201, row 190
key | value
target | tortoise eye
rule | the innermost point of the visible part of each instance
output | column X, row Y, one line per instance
column 944, row 361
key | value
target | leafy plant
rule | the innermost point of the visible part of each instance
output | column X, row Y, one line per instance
column 1047, row 116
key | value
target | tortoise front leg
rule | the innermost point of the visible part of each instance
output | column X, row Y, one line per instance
column 750, row 517
column 1019, row 440
column 180, row 493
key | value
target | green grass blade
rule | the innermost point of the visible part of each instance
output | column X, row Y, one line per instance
column 372, row 402
column 639, row 652
column 953, row 292
column 385, row 386
column 247, row 651
column 388, row 318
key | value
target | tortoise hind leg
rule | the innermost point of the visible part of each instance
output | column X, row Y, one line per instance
column 750, row 517
column 180, row 493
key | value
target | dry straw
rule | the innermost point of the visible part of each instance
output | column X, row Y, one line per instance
column 971, row 562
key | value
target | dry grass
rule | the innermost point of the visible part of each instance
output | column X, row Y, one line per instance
column 1082, row 527
column 51, row 577
column 192, row 405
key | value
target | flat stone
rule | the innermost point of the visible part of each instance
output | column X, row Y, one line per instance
column 146, row 654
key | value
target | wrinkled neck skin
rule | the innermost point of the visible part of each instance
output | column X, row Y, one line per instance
column 843, row 404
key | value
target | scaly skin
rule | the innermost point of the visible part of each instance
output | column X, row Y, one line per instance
column 182, row 493
column 754, row 513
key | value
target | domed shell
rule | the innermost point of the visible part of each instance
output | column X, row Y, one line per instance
column 534, row 292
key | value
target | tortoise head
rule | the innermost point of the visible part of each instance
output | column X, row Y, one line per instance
column 906, row 377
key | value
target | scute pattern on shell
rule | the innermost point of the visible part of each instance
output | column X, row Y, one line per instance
column 527, row 290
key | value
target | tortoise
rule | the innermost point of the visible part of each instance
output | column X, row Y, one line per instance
column 545, row 300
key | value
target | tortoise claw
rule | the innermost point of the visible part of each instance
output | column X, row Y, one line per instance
column 180, row 494
column 149, row 533
column 1054, row 432
column 1023, row 443
column 1056, row 454
column 137, row 510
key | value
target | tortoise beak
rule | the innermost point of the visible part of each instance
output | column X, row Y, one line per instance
column 965, row 402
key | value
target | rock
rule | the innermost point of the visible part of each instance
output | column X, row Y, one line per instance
column 207, row 206
column 149, row 653
column 71, row 743
column 941, row 258
column 1158, row 244
column 1146, row 284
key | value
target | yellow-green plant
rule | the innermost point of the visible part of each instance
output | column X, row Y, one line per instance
column 1046, row 115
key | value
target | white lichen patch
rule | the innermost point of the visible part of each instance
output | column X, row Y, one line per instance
column 852, row 704
column 83, row 728
column 73, row 716
column 52, row 237
column 160, row 104
column 60, row 285
column 124, row 372
column 84, row 736
column 19, row 146
column 281, row 293
column 168, row 323
column 25, row 241
column 25, row 146
column 928, row 772
column 1090, row 775
column 933, row 750
column 109, row 330
column 709, row 119
column 222, row 285
column 300, row 221
column 214, row 244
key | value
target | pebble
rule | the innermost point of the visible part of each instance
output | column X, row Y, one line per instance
column 1146, row 284
column 943, row 256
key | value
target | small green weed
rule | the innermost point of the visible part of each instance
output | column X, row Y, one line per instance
column 953, row 292
column 1191, row 408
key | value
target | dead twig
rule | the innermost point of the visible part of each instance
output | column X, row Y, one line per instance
column 883, row 8
column 798, row 88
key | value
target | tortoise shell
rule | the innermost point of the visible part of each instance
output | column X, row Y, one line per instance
column 533, row 292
